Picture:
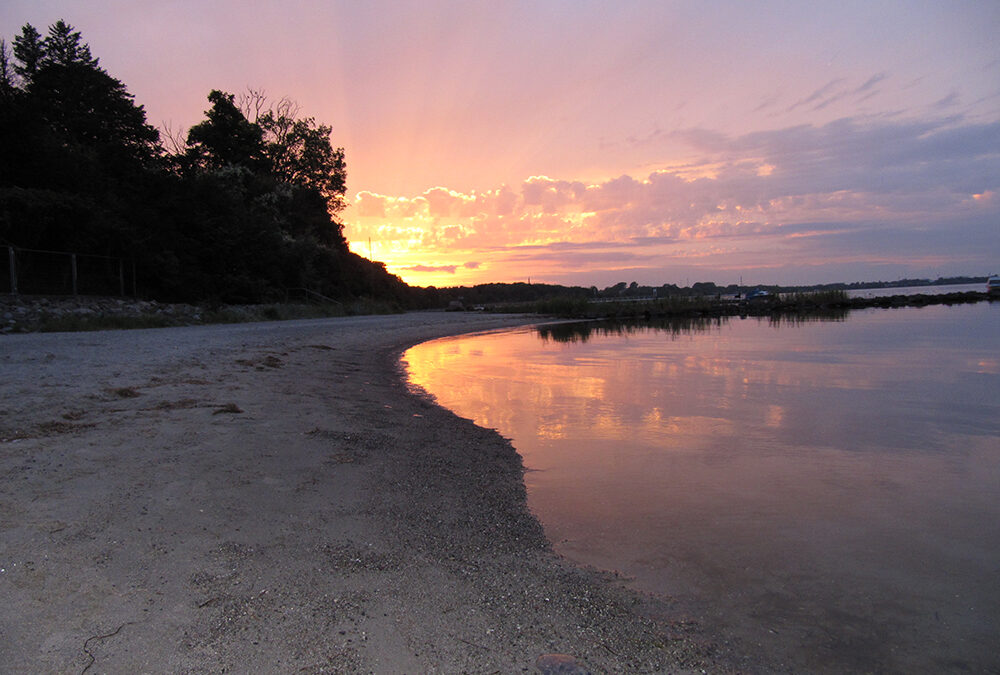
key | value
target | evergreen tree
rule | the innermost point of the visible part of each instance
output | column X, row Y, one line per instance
column 29, row 50
column 72, row 142
column 64, row 47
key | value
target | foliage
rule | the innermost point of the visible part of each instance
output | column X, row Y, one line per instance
column 73, row 144
column 300, row 152
column 241, row 210
column 29, row 50
column 225, row 138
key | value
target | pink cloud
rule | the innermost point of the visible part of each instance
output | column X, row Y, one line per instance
column 760, row 192
column 370, row 205
column 449, row 269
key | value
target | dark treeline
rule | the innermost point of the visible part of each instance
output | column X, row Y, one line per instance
column 241, row 208
column 489, row 294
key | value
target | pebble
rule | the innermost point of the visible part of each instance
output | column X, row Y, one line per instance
column 559, row 664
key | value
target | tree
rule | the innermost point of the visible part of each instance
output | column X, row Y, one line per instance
column 299, row 150
column 79, row 104
column 29, row 50
column 300, row 153
column 84, row 105
column 73, row 147
column 226, row 137
column 302, row 178
column 64, row 47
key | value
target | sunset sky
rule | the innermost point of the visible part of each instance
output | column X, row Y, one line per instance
column 589, row 143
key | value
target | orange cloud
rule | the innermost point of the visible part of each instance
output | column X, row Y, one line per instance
column 794, row 197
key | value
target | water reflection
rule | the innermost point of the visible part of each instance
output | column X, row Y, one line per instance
column 582, row 331
column 813, row 316
column 828, row 489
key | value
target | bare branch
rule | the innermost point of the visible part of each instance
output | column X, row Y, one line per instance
column 286, row 107
column 252, row 103
column 175, row 140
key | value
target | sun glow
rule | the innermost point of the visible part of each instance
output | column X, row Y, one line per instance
column 757, row 211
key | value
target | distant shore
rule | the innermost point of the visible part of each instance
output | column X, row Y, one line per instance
column 787, row 305
column 271, row 497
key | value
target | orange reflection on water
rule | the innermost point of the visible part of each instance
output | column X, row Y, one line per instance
column 805, row 475
column 541, row 393
column 680, row 391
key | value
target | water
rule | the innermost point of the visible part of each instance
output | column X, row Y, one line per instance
column 824, row 493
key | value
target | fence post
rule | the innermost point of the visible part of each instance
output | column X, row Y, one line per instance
column 13, row 270
column 72, row 258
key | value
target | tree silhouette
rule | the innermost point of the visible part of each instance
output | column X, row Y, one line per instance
column 300, row 152
column 29, row 50
column 72, row 142
column 76, row 104
column 226, row 137
column 245, row 211
column 64, row 47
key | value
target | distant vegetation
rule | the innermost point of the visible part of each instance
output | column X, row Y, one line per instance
column 567, row 300
column 789, row 307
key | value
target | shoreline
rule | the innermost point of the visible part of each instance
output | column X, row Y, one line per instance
column 272, row 497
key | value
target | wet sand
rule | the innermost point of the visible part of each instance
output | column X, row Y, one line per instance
column 271, row 498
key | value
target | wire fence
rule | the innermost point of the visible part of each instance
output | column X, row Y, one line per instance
column 25, row 271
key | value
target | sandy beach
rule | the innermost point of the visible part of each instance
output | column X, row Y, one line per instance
column 270, row 497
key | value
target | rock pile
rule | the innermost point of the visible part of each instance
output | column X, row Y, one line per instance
column 24, row 314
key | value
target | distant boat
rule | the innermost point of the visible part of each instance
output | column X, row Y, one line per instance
column 758, row 293
column 993, row 285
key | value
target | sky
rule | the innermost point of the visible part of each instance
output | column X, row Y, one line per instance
column 588, row 143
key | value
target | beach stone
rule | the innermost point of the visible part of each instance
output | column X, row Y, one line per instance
column 559, row 664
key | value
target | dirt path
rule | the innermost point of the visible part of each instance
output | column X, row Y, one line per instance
column 271, row 498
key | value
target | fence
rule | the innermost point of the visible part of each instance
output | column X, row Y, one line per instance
column 33, row 272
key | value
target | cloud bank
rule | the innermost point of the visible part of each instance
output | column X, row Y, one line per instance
column 824, row 199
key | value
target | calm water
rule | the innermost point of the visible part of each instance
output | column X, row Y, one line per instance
column 827, row 493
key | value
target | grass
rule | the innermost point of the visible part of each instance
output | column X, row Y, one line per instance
column 69, row 322
column 74, row 323
column 831, row 298
column 586, row 308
